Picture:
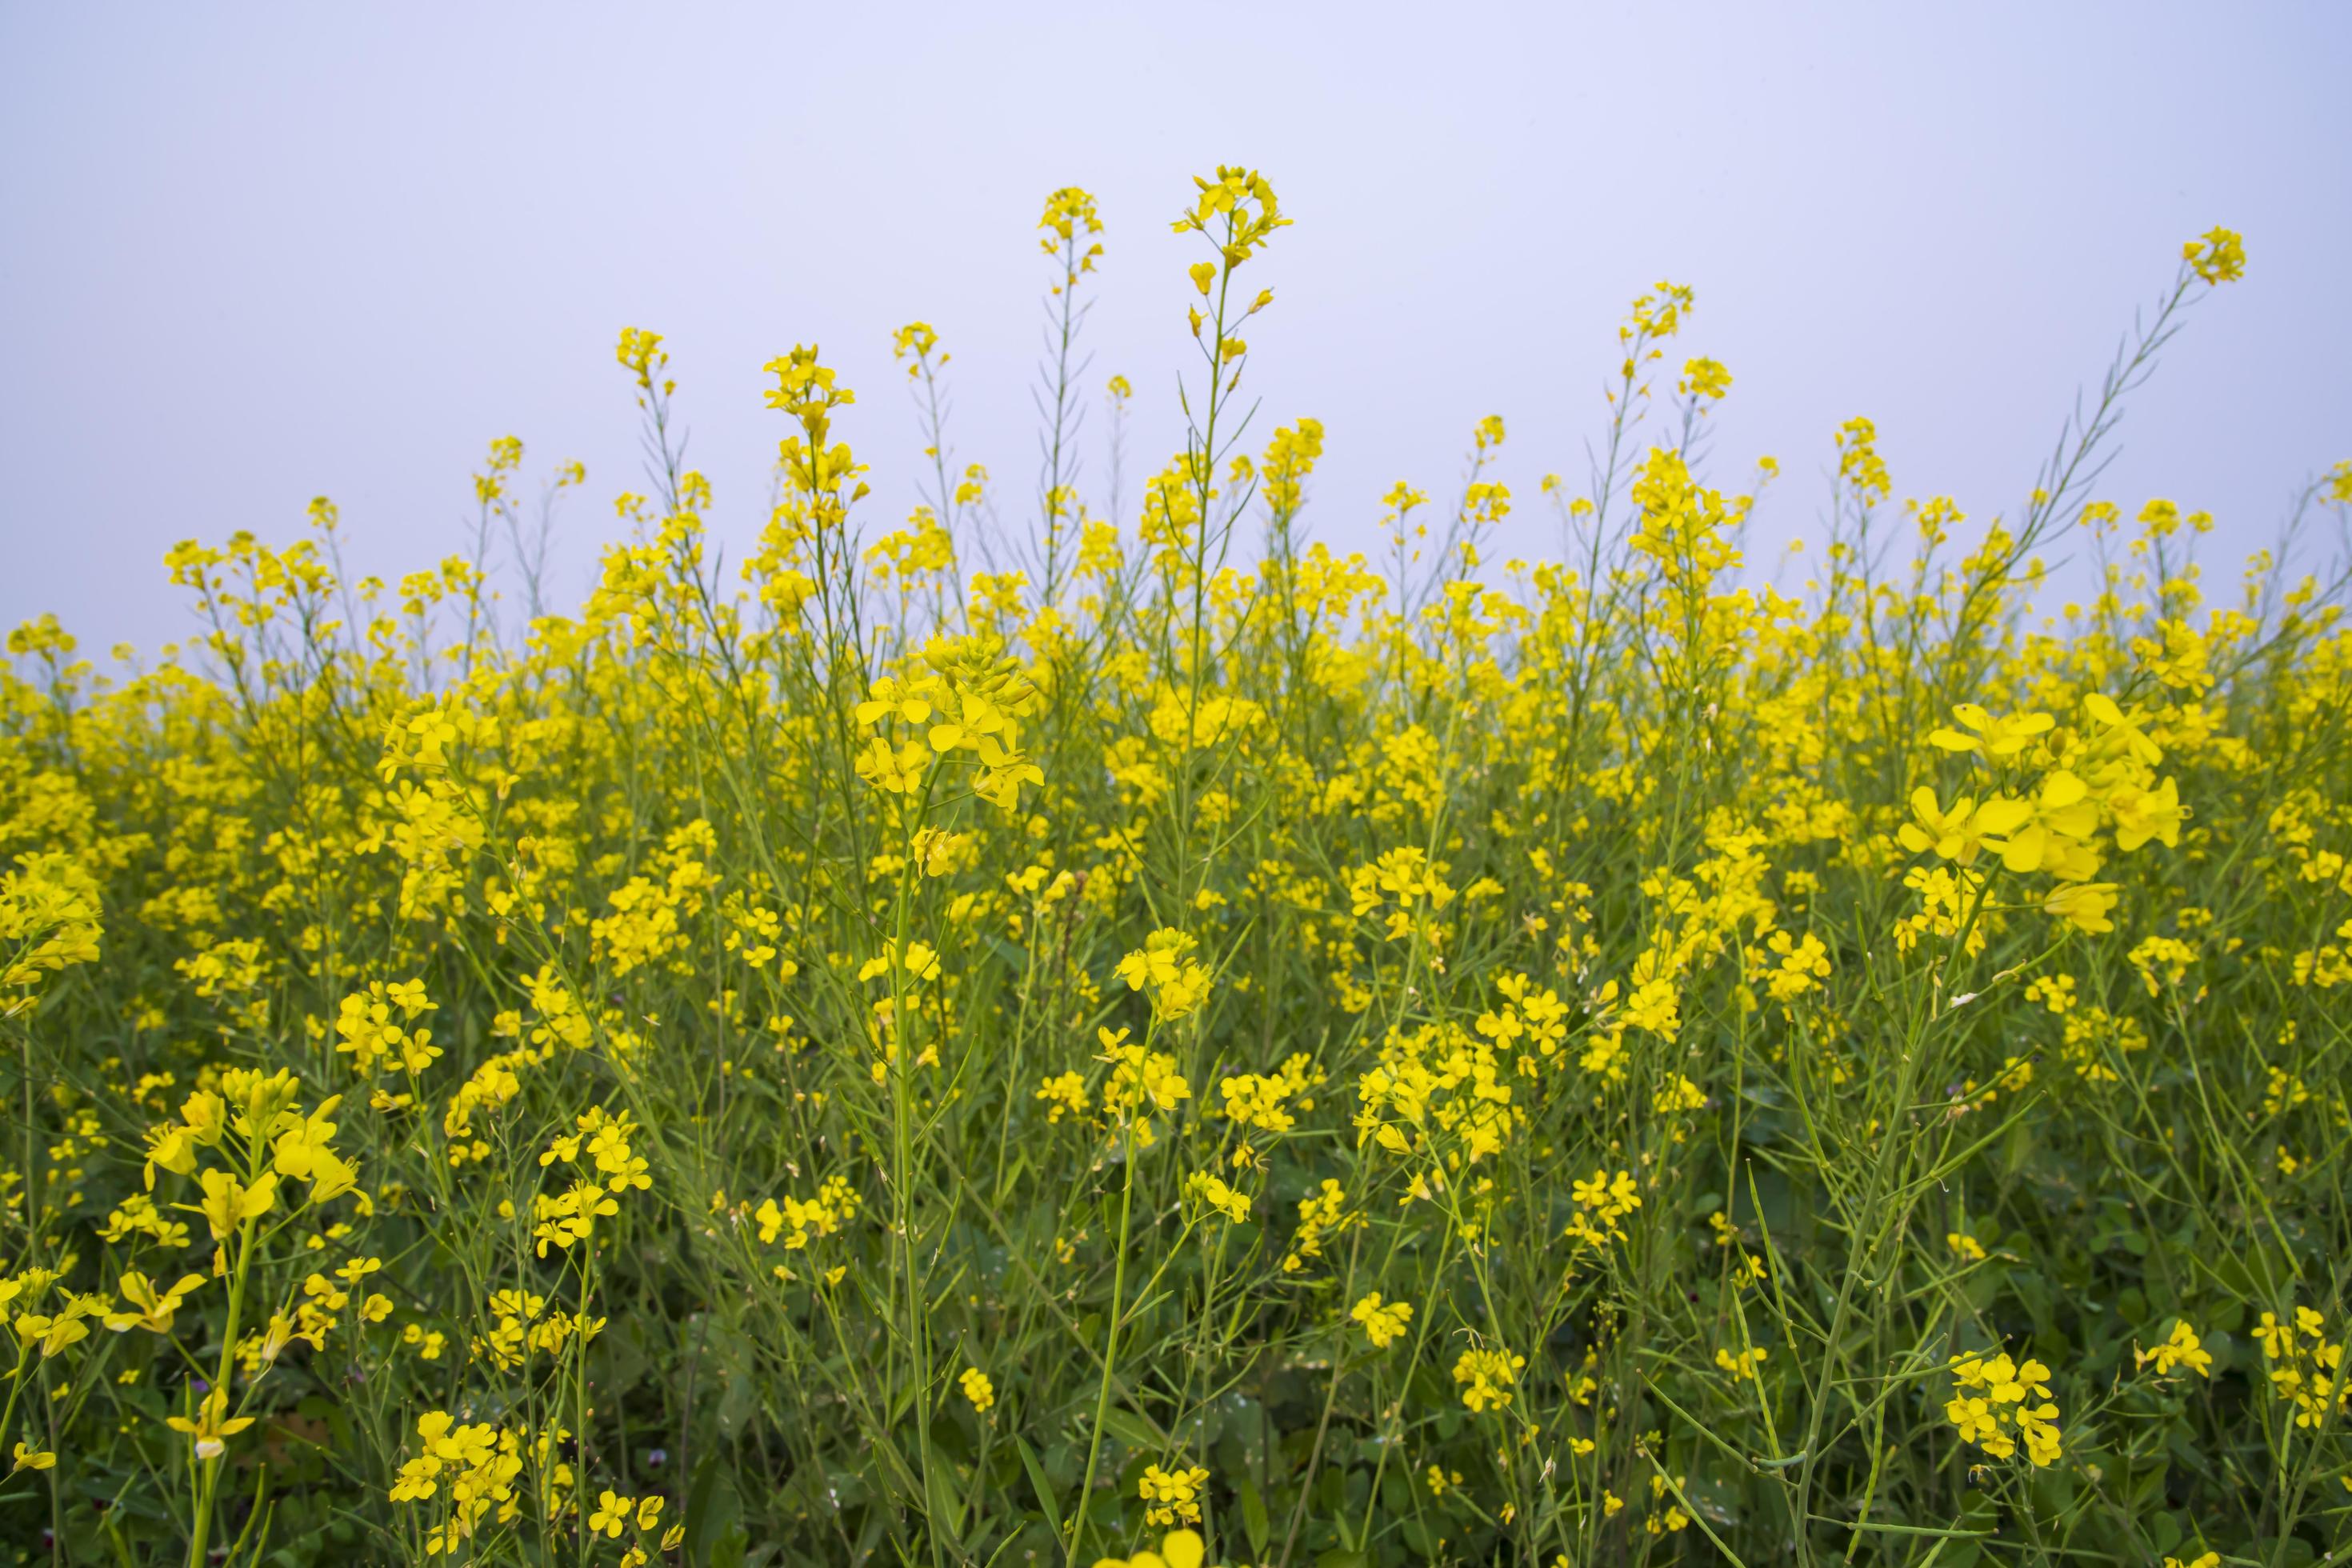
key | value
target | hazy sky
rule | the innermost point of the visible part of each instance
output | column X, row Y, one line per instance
column 251, row 253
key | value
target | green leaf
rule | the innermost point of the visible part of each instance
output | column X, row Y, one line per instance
column 712, row 1511
column 946, row 1510
column 1253, row 1519
column 1040, row 1485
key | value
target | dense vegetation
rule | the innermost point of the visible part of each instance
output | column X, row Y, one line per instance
column 1184, row 1045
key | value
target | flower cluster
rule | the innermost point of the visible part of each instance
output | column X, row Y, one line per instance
column 829, row 1052
column 1172, row 1497
column 1383, row 1322
column 603, row 1170
column 2305, row 1367
column 462, row 1471
column 1487, row 1376
column 1998, row 1403
column 1165, row 969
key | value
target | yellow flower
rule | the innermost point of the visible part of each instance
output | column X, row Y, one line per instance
column 1165, row 967
column 1859, row 463
column 640, row 353
column 1178, row 1549
column 1998, row 737
column 1997, row 1401
column 303, row 1154
column 918, row 339
column 155, row 1307
column 612, row 1515
column 2142, row 815
column 213, row 1425
column 2218, row 256
column 53, row 1333
column 1957, row 835
column 29, row 1459
column 1064, row 1094
column 2121, row 730
column 1070, row 218
column 2082, row 905
column 1705, row 379
column 978, row 1389
column 1487, row 1377
column 1740, row 1364
column 1213, row 1191
column 228, row 1203
column 1382, row 1323
column 2180, row 1348
column 1170, row 1495
column 894, row 772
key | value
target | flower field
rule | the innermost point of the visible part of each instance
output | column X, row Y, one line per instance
column 1087, row 1026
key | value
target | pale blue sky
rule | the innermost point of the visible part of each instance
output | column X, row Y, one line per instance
column 249, row 254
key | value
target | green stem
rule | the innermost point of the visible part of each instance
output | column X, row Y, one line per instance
column 1110, row 1349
